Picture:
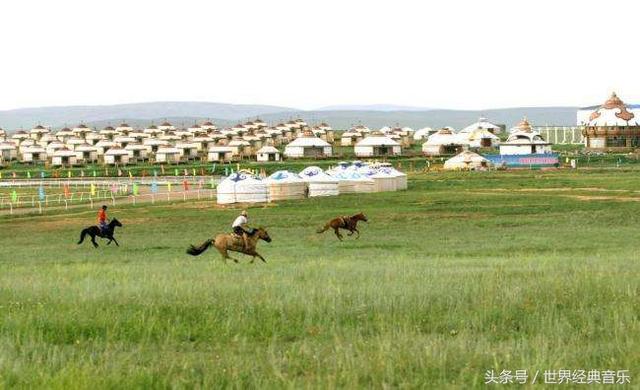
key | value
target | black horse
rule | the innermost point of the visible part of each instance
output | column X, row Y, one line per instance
column 94, row 231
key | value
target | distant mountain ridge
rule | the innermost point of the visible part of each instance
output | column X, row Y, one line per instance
column 72, row 115
column 372, row 107
column 187, row 113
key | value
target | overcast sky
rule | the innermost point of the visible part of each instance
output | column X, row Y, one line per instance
column 307, row 54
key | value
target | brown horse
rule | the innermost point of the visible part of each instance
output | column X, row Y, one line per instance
column 226, row 242
column 344, row 222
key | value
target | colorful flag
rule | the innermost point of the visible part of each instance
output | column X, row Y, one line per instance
column 69, row 174
column 154, row 187
column 14, row 196
column 185, row 185
column 28, row 174
column 93, row 189
column 169, row 187
column 41, row 194
column 67, row 191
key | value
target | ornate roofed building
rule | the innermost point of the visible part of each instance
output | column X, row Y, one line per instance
column 612, row 126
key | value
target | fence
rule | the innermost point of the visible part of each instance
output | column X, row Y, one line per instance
column 561, row 135
column 90, row 193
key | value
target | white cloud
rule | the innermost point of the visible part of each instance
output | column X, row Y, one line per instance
column 452, row 54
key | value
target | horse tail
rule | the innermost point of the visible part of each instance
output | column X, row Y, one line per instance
column 82, row 235
column 195, row 251
column 323, row 229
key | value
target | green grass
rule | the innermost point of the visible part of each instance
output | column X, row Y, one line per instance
column 462, row 273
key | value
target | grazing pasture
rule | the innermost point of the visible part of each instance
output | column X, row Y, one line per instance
column 462, row 273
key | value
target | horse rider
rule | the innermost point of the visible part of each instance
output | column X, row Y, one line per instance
column 239, row 225
column 102, row 219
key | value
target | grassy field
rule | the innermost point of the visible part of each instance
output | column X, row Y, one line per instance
column 462, row 273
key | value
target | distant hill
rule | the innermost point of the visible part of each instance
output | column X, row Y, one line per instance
column 372, row 107
column 186, row 113
column 72, row 115
column 558, row 116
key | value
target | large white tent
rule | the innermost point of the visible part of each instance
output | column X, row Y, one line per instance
column 242, row 187
column 284, row 185
column 319, row 183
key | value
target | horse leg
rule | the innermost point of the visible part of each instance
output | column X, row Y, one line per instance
column 358, row 232
column 225, row 255
column 261, row 258
column 337, row 230
column 93, row 241
column 114, row 240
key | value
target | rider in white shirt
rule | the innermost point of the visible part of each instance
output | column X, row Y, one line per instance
column 239, row 225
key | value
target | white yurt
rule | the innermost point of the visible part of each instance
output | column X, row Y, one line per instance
column 64, row 158
column 377, row 144
column 117, row 156
column 86, row 153
column 8, row 151
column 308, row 145
column 422, row 134
column 138, row 151
column 242, row 187
column 168, row 154
column 220, row 153
column 467, row 161
column 444, row 141
column 34, row 154
column 319, row 183
column 350, row 181
column 268, row 153
column 384, row 180
column 480, row 138
column 286, row 185
column 523, row 140
column 400, row 177
column 482, row 124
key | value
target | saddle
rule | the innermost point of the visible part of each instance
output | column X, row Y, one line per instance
column 345, row 220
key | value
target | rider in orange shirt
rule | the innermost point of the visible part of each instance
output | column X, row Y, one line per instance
column 102, row 218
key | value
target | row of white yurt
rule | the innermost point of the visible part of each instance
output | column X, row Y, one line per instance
column 285, row 185
column 319, row 183
column 242, row 187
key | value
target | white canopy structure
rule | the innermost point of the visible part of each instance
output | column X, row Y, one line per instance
column 285, row 185
column 377, row 144
column 320, row 184
column 242, row 187
column 467, row 161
